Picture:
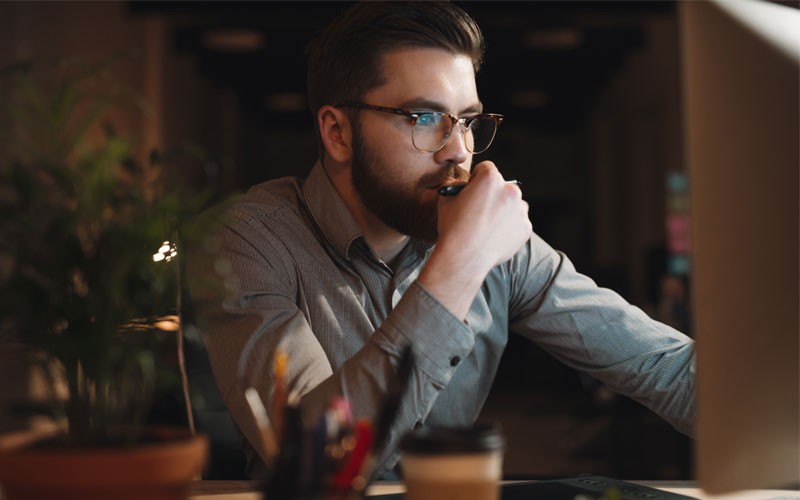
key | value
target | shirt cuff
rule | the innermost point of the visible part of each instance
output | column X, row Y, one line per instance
column 441, row 341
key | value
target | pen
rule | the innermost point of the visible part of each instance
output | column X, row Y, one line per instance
column 454, row 189
column 386, row 417
column 284, row 482
column 343, row 480
column 319, row 436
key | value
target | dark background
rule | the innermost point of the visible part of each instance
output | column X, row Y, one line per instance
column 592, row 99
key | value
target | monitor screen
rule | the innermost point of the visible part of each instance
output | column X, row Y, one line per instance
column 741, row 67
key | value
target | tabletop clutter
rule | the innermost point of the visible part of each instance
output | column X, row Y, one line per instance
column 336, row 459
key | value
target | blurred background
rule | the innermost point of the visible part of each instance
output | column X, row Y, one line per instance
column 592, row 99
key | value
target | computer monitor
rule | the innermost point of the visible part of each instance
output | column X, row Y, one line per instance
column 741, row 68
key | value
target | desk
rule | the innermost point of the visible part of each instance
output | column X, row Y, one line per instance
column 245, row 490
column 690, row 488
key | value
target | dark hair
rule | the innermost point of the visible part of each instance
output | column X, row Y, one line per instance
column 344, row 59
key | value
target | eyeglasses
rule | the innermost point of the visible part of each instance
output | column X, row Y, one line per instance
column 430, row 130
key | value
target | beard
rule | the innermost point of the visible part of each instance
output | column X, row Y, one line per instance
column 398, row 205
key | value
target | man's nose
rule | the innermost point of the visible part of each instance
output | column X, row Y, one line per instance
column 455, row 149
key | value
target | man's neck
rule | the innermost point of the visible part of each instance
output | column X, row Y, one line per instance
column 385, row 242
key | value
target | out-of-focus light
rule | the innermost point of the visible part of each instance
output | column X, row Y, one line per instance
column 233, row 40
column 170, row 323
column 166, row 252
column 553, row 39
column 529, row 98
column 286, row 101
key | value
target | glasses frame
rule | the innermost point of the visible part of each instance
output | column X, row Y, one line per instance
column 414, row 116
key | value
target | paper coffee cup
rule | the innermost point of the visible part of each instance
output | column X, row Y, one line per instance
column 453, row 463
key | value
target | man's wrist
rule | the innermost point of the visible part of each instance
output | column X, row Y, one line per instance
column 453, row 281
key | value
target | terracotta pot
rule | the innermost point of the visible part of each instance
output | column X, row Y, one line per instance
column 158, row 471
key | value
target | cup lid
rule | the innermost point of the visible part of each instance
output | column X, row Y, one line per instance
column 479, row 438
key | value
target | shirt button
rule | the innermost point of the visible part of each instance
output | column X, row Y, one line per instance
column 455, row 360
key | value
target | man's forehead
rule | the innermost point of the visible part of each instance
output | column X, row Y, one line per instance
column 428, row 78
column 422, row 102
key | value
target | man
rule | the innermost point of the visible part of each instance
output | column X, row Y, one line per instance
column 364, row 257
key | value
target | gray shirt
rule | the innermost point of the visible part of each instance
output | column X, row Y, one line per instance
column 299, row 275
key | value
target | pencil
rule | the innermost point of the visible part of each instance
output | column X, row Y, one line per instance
column 280, row 391
column 268, row 441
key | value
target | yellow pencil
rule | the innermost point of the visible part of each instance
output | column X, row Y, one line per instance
column 280, row 391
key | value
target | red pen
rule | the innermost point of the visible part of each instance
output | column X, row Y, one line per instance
column 343, row 480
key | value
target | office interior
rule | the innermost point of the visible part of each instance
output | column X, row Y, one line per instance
column 591, row 93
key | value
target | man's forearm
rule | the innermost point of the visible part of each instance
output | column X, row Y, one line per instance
column 454, row 283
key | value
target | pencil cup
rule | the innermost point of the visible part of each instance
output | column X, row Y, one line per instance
column 453, row 463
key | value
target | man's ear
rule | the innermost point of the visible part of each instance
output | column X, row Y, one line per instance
column 335, row 132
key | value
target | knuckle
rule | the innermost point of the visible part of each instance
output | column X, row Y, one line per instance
column 485, row 167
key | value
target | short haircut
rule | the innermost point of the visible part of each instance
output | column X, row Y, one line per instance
column 344, row 59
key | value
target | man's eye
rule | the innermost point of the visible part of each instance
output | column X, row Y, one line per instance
column 427, row 120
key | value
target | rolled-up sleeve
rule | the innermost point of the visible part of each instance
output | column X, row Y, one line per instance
column 594, row 330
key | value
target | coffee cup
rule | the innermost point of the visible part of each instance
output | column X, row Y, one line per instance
column 453, row 463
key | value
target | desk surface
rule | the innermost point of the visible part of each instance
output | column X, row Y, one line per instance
column 245, row 490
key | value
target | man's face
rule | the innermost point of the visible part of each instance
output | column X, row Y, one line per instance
column 395, row 181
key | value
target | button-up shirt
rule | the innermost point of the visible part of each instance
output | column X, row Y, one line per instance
column 296, row 274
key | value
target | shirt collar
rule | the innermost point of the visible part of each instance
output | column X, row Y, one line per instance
column 329, row 211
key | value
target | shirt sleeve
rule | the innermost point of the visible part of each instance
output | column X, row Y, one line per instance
column 248, row 309
column 594, row 330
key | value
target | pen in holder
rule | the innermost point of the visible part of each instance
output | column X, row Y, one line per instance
column 335, row 459
column 283, row 483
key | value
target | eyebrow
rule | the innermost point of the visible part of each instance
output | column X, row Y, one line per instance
column 420, row 103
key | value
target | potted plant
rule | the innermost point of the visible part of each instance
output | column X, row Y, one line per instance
column 89, row 281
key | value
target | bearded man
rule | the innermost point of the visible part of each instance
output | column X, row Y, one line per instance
column 346, row 268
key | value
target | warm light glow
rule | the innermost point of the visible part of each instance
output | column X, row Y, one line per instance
column 166, row 252
column 234, row 40
column 168, row 323
column 286, row 101
column 554, row 39
column 529, row 98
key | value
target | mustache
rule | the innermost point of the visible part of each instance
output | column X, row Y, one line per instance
column 449, row 173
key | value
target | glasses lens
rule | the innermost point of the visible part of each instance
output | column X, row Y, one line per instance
column 431, row 131
column 481, row 133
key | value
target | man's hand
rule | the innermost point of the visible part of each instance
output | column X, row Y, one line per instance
column 485, row 225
